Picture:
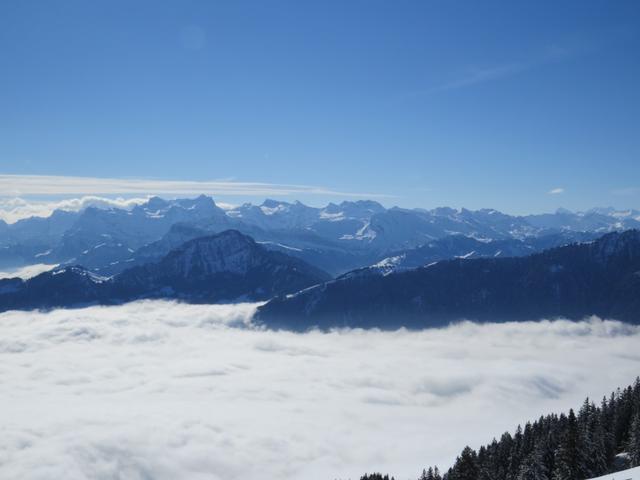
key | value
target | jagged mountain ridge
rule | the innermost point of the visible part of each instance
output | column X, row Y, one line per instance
column 338, row 237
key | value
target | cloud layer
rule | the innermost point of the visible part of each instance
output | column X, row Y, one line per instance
column 20, row 185
column 92, row 191
column 27, row 272
column 163, row 390
column 14, row 209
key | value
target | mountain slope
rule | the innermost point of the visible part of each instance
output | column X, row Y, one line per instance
column 600, row 278
column 62, row 287
column 629, row 474
column 220, row 268
column 223, row 267
column 460, row 246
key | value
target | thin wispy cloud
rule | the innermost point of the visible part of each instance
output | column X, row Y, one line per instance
column 627, row 191
column 475, row 75
column 24, row 185
column 556, row 191
column 484, row 74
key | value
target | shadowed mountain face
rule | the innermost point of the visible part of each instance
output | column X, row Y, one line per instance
column 224, row 267
column 600, row 278
column 219, row 268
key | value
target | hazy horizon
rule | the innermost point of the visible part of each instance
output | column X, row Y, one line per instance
column 13, row 209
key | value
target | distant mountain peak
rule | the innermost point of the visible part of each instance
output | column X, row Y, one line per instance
column 230, row 235
column 229, row 251
column 271, row 203
column 155, row 203
column 201, row 202
column 563, row 211
column 444, row 211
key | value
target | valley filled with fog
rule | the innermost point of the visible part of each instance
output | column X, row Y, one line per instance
column 164, row 390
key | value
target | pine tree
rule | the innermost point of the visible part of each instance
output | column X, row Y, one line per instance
column 533, row 467
column 633, row 447
column 592, row 447
column 606, row 422
column 623, row 416
column 485, row 463
column 466, row 467
column 567, row 455
column 505, row 445
column 515, row 455
column 375, row 476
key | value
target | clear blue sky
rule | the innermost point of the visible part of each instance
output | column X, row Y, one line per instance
column 476, row 104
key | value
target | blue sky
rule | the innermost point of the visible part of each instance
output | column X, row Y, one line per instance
column 418, row 103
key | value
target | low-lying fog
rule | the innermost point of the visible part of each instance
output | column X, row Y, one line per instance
column 159, row 390
column 27, row 272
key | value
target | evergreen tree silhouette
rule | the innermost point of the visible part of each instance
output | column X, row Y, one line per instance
column 633, row 447
column 557, row 447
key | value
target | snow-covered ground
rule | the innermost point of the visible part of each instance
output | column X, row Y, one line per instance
column 164, row 391
column 631, row 474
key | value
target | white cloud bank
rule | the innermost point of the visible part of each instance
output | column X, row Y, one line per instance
column 27, row 272
column 14, row 189
column 14, row 209
column 162, row 390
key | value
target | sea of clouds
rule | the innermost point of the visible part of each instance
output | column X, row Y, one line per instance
column 161, row 390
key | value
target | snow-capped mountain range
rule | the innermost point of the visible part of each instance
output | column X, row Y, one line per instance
column 351, row 264
column 337, row 238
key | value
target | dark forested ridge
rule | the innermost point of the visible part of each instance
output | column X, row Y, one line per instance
column 599, row 439
column 575, row 281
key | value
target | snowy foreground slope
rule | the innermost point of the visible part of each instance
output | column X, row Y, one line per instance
column 165, row 390
column 630, row 474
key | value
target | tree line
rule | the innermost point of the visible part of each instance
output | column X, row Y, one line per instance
column 599, row 439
